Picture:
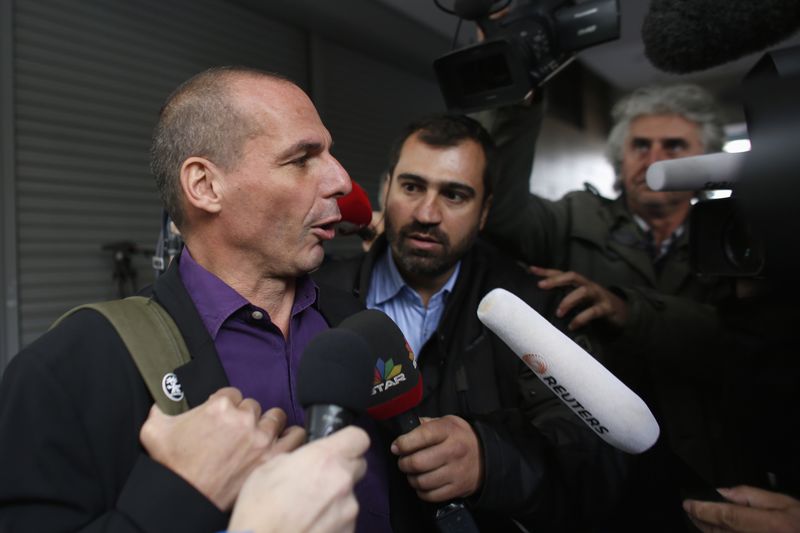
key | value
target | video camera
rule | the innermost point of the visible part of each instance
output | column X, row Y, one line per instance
column 733, row 236
column 721, row 240
column 522, row 49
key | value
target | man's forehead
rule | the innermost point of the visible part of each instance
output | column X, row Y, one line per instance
column 462, row 153
column 277, row 97
column 662, row 127
column 460, row 164
column 284, row 110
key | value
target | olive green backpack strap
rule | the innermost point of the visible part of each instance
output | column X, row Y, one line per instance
column 154, row 342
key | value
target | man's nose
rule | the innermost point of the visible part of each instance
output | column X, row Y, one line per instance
column 337, row 180
column 428, row 210
column 656, row 153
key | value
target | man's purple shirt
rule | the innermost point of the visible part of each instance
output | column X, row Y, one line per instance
column 257, row 359
column 263, row 365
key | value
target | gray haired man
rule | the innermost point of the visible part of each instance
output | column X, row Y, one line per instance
column 621, row 265
column 636, row 244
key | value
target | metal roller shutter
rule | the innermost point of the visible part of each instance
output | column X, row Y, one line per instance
column 365, row 103
column 89, row 78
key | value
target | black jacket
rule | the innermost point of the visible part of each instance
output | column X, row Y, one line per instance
column 543, row 466
column 71, row 408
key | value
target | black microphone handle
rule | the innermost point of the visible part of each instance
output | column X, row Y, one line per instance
column 403, row 423
column 452, row 516
column 324, row 419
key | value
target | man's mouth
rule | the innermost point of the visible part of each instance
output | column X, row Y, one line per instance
column 423, row 241
column 424, row 237
column 326, row 229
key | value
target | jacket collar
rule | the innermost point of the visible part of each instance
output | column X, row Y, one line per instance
column 466, row 293
column 626, row 240
column 203, row 375
column 367, row 264
column 472, row 266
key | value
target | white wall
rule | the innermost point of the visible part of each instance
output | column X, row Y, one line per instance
column 566, row 158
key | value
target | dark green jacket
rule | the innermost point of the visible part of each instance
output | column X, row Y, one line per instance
column 669, row 308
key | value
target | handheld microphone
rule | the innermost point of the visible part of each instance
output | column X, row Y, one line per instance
column 396, row 392
column 682, row 36
column 396, row 382
column 603, row 402
column 700, row 172
column 333, row 380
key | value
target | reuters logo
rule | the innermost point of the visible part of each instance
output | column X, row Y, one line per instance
column 535, row 362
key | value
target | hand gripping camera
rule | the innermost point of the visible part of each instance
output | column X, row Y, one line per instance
column 522, row 49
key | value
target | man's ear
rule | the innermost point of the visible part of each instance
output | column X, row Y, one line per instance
column 383, row 189
column 201, row 182
column 487, row 204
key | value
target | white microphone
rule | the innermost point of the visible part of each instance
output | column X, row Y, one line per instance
column 603, row 402
column 700, row 172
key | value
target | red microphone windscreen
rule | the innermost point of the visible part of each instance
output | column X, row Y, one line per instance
column 355, row 206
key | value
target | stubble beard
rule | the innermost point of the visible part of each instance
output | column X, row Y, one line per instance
column 424, row 263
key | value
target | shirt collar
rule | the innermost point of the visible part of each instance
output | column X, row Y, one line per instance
column 646, row 227
column 216, row 301
column 388, row 282
column 641, row 223
column 666, row 244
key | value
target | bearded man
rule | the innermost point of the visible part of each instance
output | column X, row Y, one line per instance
column 500, row 439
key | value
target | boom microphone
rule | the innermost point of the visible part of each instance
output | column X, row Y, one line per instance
column 683, row 36
column 396, row 392
column 603, row 402
column 701, row 172
column 333, row 380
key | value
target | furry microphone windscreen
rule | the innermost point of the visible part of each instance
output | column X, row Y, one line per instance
column 682, row 36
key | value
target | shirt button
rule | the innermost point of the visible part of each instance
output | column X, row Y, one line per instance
column 257, row 315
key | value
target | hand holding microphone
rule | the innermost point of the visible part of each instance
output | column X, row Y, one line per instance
column 321, row 475
column 217, row 444
column 440, row 456
column 442, row 459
